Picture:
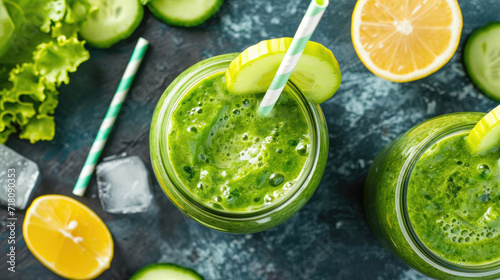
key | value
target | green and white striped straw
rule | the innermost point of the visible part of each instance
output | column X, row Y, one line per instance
column 306, row 28
column 110, row 118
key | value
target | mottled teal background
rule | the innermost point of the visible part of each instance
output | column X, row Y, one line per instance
column 329, row 237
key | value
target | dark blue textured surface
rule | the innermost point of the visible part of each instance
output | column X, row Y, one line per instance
column 329, row 237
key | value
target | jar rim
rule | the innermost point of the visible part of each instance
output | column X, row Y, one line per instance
column 404, row 220
column 168, row 105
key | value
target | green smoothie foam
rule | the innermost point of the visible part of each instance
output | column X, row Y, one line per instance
column 453, row 202
column 230, row 158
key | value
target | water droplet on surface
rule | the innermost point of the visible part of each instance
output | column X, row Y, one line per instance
column 200, row 186
column 279, row 151
column 246, row 103
column 236, row 112
column 245, row 137
column 301, row 149
column 192, row 129
column 276, row 179
column 483, row 168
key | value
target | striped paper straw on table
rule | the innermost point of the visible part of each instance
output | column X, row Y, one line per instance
column 306, row 28
column 110, row 118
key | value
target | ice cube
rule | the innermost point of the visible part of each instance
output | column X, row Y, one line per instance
column 19, row 178
column 123, row 185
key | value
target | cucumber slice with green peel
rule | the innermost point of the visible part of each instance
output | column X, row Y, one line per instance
column 486, row 134
column 166, row 271
column 317, row 73
column 482, row 59
column 113, row 21
column 185, row 13
column 7, row 28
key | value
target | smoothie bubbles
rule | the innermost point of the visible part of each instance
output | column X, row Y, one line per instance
column 224, row 163
column 433, row 199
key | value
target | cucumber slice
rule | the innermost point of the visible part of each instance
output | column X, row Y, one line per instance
column 317, row 73
column 185, row 13
column 486, row 134
column 6, row 29
column 166, row 271
column 482, row 59
column 113, row 21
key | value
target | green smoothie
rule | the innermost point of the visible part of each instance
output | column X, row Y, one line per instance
column 453, row 201
column 227, row 156
column 435, row 204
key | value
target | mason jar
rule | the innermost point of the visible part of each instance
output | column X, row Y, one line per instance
column 386, row 198
column 219, row 219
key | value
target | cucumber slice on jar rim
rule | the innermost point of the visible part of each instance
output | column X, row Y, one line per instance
column 486, row 134
column 482, row 59
column 185, row 13
column 317, row 73
column 160, row 271
column 113, row 21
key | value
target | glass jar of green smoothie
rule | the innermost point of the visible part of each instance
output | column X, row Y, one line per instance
column 224, row 165
column 436, row 204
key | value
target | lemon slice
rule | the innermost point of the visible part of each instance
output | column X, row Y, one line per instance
column 317, row 73
column 486, row 134
column 67, row 237
column 403, row 41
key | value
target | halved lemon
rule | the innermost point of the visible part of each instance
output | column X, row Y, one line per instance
column 486, row 134
column 317, row 73
column 67, row 237
column 404, row 41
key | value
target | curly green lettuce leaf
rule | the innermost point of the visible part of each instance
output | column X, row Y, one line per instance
column 6, row 117
column 27, row 82
column 76, row 14
column 4, row 135
column 22, row 112
column 49, row 105
column 32, row 19
column 42, row 50
column 52, row 11
column 53, row 60
column 41, row 127
column 78, row 11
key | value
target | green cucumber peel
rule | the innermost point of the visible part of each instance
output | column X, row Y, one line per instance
column 186, row 13
column 482, row 59
column 161, row 271
column 113, row 21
